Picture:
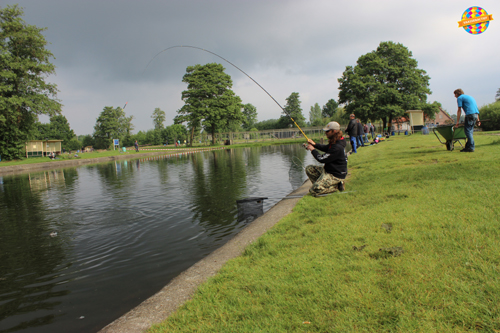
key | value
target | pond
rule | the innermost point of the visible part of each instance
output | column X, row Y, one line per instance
column 80, row 247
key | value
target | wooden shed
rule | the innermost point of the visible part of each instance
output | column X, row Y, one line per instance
column 35, row 148
column 40, row 148
column 53, row 146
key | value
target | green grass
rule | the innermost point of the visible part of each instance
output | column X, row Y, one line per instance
column 304, row 275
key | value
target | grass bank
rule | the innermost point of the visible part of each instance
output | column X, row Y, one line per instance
column 411, row 246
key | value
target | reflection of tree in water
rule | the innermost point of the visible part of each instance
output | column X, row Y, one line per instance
column 216, row 186
column 116, row 176
column 29, row 257
column 253, row 157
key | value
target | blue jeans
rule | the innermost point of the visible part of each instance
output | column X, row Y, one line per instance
column 353, row 143
column 360, row 141
column 469, row 122
column 366, row 138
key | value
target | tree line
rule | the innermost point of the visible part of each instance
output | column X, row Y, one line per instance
column 382, row 85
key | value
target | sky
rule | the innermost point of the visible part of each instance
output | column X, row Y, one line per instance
column 102, row 49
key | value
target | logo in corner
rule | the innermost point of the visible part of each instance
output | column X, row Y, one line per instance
column 475, row 20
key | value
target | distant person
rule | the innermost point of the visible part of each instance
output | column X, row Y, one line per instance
column 352, row 130
column 330, row 177
column 372, row 131
column 366, row 130
column 360, row 133
column 468, row 104
column 136, row 145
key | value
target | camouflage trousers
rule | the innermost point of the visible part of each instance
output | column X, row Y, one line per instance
column 322, row 181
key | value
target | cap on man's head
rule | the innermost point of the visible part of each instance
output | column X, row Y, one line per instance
column 333, row 125
column 352, row 115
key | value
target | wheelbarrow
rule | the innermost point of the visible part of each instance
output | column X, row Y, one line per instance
column 450, row 135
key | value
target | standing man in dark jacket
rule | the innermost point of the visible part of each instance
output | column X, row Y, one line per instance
column 360, row 134
column 352, row 130
column 329, row 178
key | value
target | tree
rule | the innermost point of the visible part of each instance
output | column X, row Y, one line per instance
column 88, row 140
column 384, row 84
column 209, row 99
column 267, row 124
column 329, row 108
column 294, row 110
column 491, row 112
column 158, row 118
column 250, row 114
column 175, row 132
column 24, row 94
column 111, row 124
column 315, row 115
column 497, row 96
column 59, row 130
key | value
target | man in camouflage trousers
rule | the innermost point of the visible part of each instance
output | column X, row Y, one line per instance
column 323, row 183
column 330, row 177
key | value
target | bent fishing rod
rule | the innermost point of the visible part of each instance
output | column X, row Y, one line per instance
column 229, row 62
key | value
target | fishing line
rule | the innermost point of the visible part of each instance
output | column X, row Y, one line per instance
column 229, row 62
column 300, row 164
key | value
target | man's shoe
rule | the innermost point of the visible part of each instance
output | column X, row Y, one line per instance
column 467, row 150
column 341, row 186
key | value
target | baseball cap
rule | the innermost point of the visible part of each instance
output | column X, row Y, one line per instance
column 333, row 125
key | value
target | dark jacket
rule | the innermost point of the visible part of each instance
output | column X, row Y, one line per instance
column 334, row 158
column 360, row 129
column 352, row 128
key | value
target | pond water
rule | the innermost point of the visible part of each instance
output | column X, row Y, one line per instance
column 80, row 247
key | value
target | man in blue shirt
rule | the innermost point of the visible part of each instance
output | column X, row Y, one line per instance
column 468, row 104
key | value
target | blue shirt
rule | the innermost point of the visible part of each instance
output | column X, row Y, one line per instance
column 468, row 104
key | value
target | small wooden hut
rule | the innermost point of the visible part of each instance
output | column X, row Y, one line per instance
column 40, row 148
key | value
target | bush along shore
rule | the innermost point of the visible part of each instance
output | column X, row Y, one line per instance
column 412, row 245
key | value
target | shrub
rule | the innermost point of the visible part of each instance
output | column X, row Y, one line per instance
column 491, row 112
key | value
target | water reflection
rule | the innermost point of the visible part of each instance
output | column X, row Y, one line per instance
column 124, row 229
column 30, row 259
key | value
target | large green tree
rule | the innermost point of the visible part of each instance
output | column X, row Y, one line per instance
column 209, row 100
column 293, row 110
column 111, row 124
column 24, row 92
column 384, row 84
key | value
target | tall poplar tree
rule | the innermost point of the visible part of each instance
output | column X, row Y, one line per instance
column 158, row 118
column 315, row 115
column 294, row 110
column 250, row 113
column 24, row 93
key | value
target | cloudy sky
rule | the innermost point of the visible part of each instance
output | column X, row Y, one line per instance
column 102, row 48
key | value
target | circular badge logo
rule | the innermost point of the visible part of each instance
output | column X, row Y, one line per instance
column 475, row 20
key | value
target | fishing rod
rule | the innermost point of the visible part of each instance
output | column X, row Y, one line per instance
column 229, row 62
